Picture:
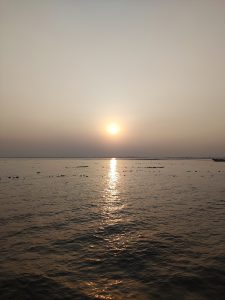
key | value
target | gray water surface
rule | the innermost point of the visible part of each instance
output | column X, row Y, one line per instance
column 112, row 229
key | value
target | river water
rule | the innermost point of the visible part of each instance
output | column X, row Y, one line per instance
column 112, row 229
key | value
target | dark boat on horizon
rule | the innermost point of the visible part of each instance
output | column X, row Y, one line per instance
column 219, row 159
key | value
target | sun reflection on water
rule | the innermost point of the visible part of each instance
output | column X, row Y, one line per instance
column 113, row 228
column 113, row 206
column 112, row 175
column 112, row 203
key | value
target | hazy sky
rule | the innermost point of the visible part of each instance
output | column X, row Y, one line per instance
column 69, row 67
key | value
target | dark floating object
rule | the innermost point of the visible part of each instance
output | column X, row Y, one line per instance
column 38, row 172
column 82, row 166
column 154, row 167
column 62, row 175
column 219, row 159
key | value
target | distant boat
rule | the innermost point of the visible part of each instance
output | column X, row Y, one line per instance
column 219, row 159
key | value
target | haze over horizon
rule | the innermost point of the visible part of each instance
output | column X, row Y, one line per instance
column 68, row 68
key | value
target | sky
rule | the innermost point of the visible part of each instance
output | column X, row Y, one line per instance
column 68, row 68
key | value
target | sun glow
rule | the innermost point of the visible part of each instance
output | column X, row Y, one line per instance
column 113, row 128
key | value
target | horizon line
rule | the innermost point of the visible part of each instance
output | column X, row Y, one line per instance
column 109, row 157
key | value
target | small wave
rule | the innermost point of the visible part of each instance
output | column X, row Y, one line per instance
column 37, row 287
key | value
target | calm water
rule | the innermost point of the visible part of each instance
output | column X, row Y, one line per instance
column 112, row 229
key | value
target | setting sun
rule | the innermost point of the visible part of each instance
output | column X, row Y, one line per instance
column 113, row 129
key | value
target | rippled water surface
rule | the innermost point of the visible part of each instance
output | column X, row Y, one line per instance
column 112, row 229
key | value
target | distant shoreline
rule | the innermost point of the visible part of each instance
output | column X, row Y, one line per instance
column 105, row 157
